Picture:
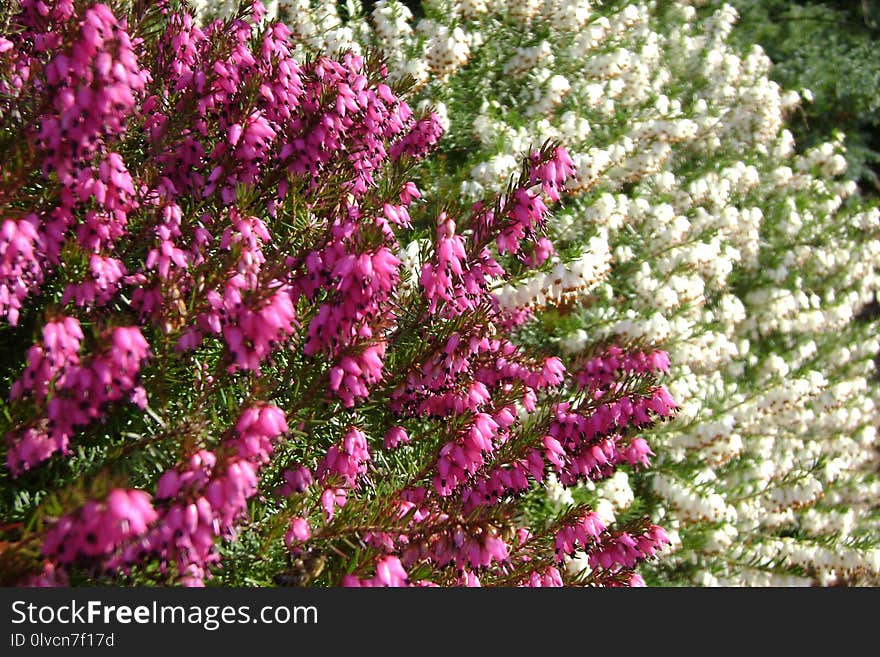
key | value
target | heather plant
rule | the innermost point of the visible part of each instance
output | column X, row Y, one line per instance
column 242, row 344
column 826, row 47
column 692, row 225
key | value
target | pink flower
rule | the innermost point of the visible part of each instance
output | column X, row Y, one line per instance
column 552, row 173
column 346, row 462
column 138, row 397
column 298, row 532
column 332, row 498
column 297, row 480
column 21, row 269
column 257, row 427
column 424, row 135
column 389, row 572
column 257, row 234
column 548, row 578
column 100, row 527
column 394, row 437
column 82, row 390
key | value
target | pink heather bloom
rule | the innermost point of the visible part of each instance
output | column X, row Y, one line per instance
column 389, row 572
column 638, row 453
column 252, row 325
column 82, row 389
column 416, row 144
column 528, row 213
column 409, row 193
column 394, row 437
column 138, row 397
column 623, row 550
column 21, row 272
column 298, row 532
column 553, row 371
column 542, row 250
column 554, row 451
column 58, row 353
column 583, row 533
column 636, row 581
column 296, row 481
column 552, row 173
column 451, row 278
column 350, row 378
column 549, row 578
column 50, row 576
column 396, row 214
column 202, row 499
column 92, row 85
column 32, row 446
column 100, row 527
column 332, row 498
column 257, row 427
column 469, row 579
column 600, row 371
column 346, row 462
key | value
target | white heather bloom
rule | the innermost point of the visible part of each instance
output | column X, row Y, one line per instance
column 446, row 51
column 693, row 502
column 547, row 98
column 392, row 25
column 617, row 491
column 720, row 540
column 557, row 494
column 605, row 510
column 412, row 257
column 494, row 173
column 579, row 563
column 523, row 11
column 526, row 59
column 563, row 283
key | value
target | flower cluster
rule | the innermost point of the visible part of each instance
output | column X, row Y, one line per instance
column 99, row 527
column 693, row 225
column 80, row 391
column 206, row 496
column 204, row 239
column 89, row 82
